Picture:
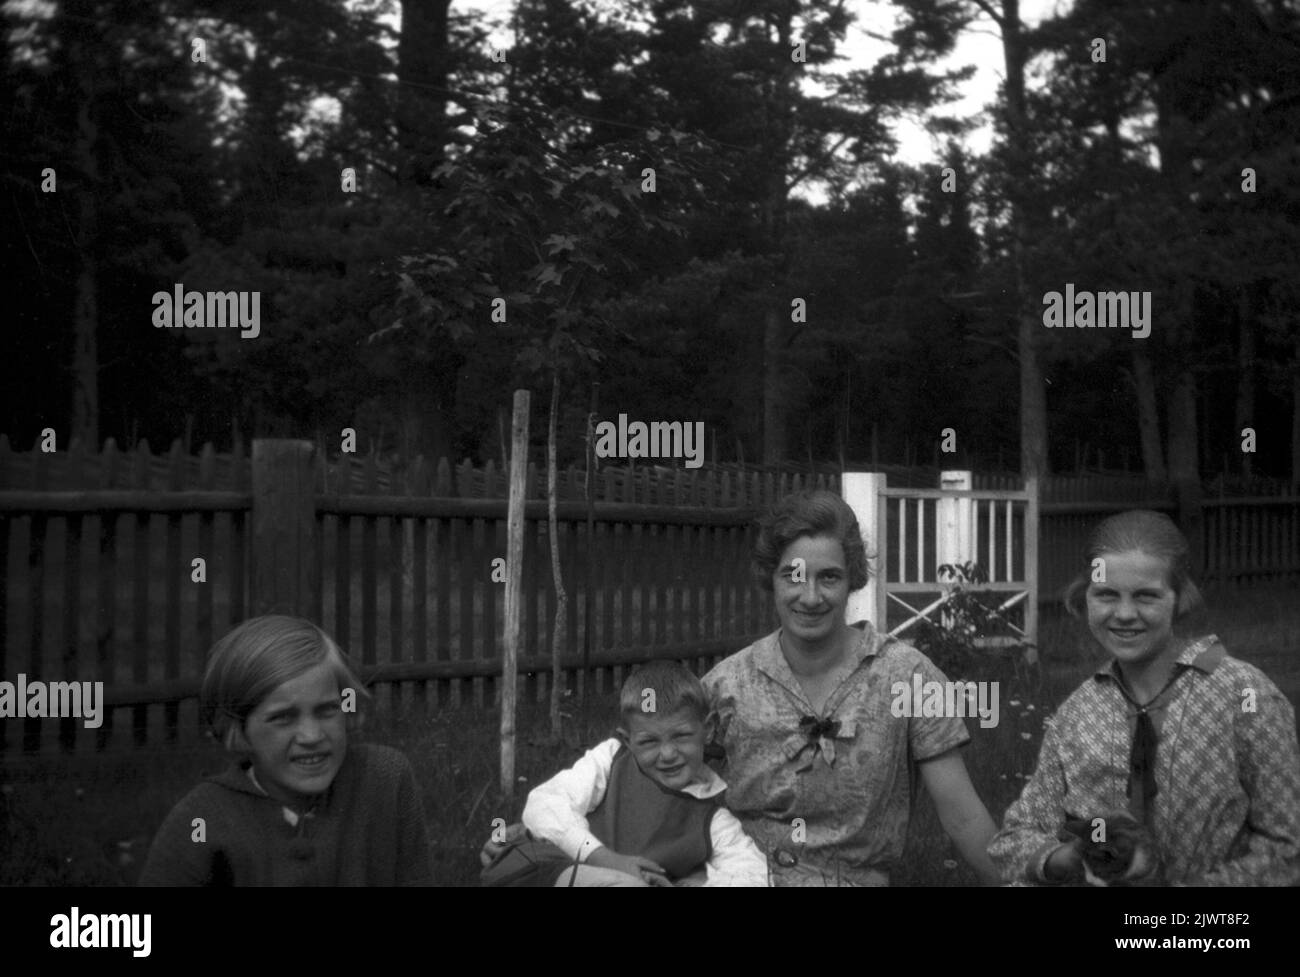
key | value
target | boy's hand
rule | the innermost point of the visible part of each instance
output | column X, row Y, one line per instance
column 642, row 868
column 492, row 850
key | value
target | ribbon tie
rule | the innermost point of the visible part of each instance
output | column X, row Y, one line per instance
column 816, row 729
column 820, row 734
column 1142, row 761
column 1142, row 753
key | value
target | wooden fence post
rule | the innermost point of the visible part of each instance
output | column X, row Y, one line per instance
column 861, row 490
column 519, row 471
column 1032, row 575
column 954, row 537
column 284, row 526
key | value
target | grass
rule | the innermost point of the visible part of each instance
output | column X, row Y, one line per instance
column 87, row 819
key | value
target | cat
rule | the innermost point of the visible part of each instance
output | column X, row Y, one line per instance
column 1117, row 849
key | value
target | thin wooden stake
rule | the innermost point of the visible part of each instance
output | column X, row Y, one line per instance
column 514, row 586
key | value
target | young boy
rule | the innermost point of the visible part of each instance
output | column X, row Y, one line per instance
column 642, row 808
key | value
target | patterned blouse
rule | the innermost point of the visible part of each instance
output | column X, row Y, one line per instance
column 1227, row 805
column 827, row 801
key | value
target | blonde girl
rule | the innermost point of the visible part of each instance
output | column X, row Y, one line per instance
column 301, row 805
column 1196, row 747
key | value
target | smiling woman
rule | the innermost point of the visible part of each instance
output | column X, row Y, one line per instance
column 820, row 771
column 1187, row 756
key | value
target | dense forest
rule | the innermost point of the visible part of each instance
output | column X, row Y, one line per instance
column 618, row 209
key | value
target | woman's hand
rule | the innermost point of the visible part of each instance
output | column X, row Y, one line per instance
column 492, row 850
column 649, row 871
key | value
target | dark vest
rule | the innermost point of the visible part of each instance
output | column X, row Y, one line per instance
column 639, row 817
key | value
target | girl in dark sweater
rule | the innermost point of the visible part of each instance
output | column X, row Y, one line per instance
column 301, row 806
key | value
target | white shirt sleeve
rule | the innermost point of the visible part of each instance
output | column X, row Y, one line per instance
column 736, row 860
column 557, row 810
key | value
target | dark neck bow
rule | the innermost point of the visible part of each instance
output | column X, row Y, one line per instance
column 820, row 734
column 1142, row 754
column 816, row 729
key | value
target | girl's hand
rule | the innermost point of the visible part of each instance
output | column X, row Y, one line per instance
column 1143, row 868
column 1065, row 864
column 1115, row 848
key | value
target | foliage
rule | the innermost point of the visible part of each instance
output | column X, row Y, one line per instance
column 226, row 174
column 966, row 616
column 549, row 230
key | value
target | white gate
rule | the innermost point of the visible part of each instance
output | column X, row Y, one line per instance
column 910, row 533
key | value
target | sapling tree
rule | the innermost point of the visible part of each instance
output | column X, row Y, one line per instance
column 536, row 250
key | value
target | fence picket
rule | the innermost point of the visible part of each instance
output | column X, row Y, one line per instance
column 207, row 521
column 445, row 690
column 140, row 572
column 172, row 589
column 242, row 479
column 397, row 589
column 71, row 610
column 369, row 559
column 420, row 484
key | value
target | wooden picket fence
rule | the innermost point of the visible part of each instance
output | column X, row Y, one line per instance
column 97, row 573
column 99, row 580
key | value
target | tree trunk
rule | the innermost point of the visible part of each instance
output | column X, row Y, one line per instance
column 775, row 406
column 1184, row 467
column 85, row 324
column 1244, row 415
column 1033, row 395
column 1295, row 417
column 1184, row 444
column 85, row 312
column 1144, row 383
column 776, row 148
column 422, row 104
column 1183, row 462
column 561, row 597
column 589, row 589
column 1033, row 391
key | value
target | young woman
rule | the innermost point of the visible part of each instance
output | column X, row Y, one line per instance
column 1198, row 747
column 819, row 771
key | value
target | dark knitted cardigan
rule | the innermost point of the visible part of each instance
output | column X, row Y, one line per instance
column 367, row 829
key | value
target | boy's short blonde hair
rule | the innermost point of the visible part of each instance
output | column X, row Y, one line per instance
column 255, row 658
column 674, row 687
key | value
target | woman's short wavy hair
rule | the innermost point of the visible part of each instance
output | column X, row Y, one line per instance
column 1143, row 530
column 817, row 512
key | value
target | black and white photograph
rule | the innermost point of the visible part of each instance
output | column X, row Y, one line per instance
column 651, row 443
